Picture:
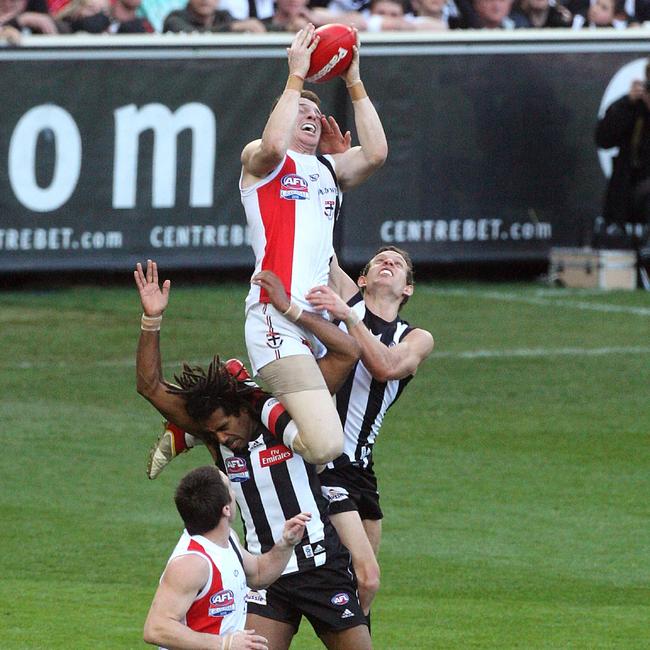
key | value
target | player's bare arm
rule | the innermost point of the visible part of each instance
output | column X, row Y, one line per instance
column 262, row 570
column 340, row 282
column 354, row 166
column 383, row 363
column 342, row 350
column 261, row 156
column 150, row 381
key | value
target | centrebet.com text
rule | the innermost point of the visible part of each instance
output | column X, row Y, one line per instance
column 462, row 230
column 54, row 239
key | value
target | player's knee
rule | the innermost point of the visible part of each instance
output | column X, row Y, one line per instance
column 318, row 451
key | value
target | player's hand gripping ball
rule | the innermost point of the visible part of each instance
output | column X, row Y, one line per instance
column 333, row 54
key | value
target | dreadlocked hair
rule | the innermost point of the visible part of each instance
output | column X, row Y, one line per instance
column 205, row 392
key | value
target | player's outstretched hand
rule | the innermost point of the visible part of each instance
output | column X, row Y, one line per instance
column 324, row 298
column 294, row 528
column 272, row 284
column 247, row 640
column 154, row 299
column 299, row 52
column 331, row 139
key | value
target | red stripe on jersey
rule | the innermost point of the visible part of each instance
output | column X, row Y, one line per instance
column 275, row 413
column 197, row 615
column 279, row 219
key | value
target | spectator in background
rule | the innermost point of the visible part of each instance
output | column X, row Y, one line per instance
column 487, row 14
column 125, row 20
column 90, row 16
column 435, row 15
column 541, row 13
column 99, row 16
column 204, row 16
column 24, row 17
column 602, row 13
column 289, row 16
column 638, row 11
column 626, row 125
column 241, row 9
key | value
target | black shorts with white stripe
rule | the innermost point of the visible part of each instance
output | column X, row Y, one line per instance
column 348, row 488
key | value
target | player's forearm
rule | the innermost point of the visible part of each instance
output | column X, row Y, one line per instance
column 148, row 363
column 376, row 357
column 282, row 121
column 369, row 130
column 270, row 565
column 176, row 636
column 333, row 338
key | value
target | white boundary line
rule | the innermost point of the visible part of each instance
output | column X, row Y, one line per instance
column 541, row 352
column 462, row 355
column 542, row 302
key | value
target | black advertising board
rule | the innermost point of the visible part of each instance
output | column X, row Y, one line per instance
column 117, row 153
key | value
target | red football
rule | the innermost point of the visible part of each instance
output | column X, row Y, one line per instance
column 333, row 54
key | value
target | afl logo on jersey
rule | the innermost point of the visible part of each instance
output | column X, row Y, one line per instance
column 294, row 187
column 340, row 599
column 222, row 603
column 237, row 469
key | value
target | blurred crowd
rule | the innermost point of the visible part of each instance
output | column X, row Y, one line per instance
column 19, row 17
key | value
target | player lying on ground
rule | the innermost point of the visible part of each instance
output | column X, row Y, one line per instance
column 270, row 481
column 201, row 599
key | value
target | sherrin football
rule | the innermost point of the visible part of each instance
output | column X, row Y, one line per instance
column 333, row 54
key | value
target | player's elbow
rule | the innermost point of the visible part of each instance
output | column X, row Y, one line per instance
column 369, row 580
column 145, row 387
column 377, row 156
column 325, row 452
column 273, row 151
column 152, row 633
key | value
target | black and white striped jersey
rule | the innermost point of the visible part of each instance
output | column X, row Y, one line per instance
column 362, row 402
column 272, row 484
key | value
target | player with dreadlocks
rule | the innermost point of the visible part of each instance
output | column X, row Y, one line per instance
column 249, row 435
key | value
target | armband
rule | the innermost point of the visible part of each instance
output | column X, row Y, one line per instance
column 357, row 91
column 295, row 82
column 150, row 323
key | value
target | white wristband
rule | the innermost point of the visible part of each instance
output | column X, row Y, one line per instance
column 150, row 323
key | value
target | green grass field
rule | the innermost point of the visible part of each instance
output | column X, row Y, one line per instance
column 515, row 470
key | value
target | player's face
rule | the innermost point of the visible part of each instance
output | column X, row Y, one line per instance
column 388, row 269
column 233, row 502
column 232, row 431
column 308, row 126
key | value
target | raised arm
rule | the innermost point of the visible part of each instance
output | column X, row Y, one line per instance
column 356, row 165
column 262, row 570
column 382, row 362
column 149, row 376
column 260, row 157
column 342, row 350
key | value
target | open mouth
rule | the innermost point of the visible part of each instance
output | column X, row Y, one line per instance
column 309, row 127
column 386, row 272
